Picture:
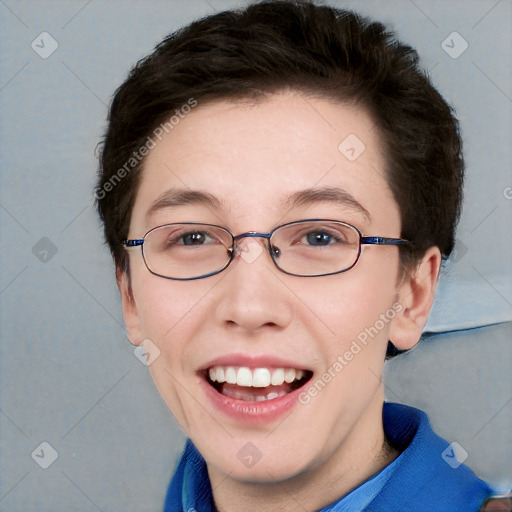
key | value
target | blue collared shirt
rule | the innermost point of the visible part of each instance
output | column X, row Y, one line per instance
column 426, row 476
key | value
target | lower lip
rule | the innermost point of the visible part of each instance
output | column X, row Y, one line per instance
column 252, row 412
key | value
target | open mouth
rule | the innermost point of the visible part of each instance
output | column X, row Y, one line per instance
column 255, row 384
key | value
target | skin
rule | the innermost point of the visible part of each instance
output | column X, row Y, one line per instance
column 251, row 156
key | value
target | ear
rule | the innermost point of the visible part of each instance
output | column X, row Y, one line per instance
column 130, row 313
column 416, row 295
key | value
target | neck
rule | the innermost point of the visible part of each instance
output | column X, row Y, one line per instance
column 360, row 455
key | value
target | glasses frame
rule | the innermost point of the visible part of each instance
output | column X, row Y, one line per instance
column 363, row 240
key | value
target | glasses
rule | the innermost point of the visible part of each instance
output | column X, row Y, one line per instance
column 306, row 248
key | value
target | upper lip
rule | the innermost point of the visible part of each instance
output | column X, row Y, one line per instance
column 253, row 361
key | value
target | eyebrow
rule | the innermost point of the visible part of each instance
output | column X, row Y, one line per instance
column 327, row 194
column 181, row 197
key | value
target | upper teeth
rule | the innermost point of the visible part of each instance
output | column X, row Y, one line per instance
column 256, row 377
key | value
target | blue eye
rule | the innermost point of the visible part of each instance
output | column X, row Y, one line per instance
column 195, row 238
column 319, row 238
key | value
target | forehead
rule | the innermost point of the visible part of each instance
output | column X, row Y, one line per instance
column 251, row 158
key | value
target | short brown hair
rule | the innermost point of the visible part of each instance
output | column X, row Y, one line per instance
column 320, row 51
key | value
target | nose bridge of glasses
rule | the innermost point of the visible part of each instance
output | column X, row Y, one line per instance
column 251, row 234
column 238, row 240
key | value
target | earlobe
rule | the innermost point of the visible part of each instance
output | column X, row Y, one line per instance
column 416, row 296
column 130, row 313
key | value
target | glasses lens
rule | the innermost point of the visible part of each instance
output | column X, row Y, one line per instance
column 315, row 248
column 186, row 251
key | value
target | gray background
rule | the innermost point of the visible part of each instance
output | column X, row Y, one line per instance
column 69, row 376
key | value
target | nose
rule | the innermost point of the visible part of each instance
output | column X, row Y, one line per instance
column 251, row 296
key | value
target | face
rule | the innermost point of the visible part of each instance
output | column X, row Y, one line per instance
column 250, row 160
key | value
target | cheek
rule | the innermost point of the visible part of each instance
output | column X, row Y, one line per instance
column 165, row 305
column 171, row 315
column 351, row 306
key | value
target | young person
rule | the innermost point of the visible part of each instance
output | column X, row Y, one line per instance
column 275, row 184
